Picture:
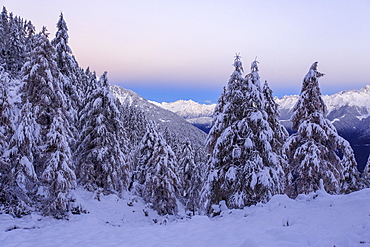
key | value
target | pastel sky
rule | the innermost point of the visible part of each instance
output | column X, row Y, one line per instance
column 170, row 50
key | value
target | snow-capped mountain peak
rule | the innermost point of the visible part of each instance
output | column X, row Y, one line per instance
column 359, row 99
column 188, row 108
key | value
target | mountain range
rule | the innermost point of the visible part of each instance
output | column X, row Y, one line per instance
column 349, row 111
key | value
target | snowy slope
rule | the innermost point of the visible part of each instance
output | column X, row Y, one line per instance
column 310, row 220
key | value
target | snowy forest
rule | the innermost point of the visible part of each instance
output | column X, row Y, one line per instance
column 61, row 127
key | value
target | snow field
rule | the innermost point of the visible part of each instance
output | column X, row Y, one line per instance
column 317, row 219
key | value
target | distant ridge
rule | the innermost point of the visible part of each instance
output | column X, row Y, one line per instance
column 188, row 108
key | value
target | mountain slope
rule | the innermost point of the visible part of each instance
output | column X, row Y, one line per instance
column 199, row 115
column 167, row 121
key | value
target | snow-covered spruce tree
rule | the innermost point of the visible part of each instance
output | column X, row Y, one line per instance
column 24, row 183
column 154, row 177
column 42, row 89
column 6, row 115
column 30, row 32
column 134, row 122
column 10, row 200
column 16, row 52
column 273, row 113
column 217, row 120
column 58, row 173
column 190, row 177
column 171, row 139
column 101, row 159
column 243, row 167
column 71, row 77
column 4, row 26
column 5, row 35
column 316, row 151
column 66, row 63
column 186, row 166
column 63, row 57
column 280, row 134
column 87, row 85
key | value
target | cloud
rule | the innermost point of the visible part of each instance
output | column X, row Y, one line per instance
column 208, row 102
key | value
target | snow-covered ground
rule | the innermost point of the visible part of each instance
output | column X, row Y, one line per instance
column 310, row 220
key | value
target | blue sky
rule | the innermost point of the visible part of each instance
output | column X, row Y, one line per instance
column 169, row 50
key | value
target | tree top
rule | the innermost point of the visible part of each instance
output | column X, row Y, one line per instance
column 237, row 63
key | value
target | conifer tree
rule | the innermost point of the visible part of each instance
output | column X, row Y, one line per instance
column 4, row 24
column 41, row 80
column 101, row 159
column 17, row 175
column 316, row 152
column 41, row 86
column 186, row 166
column 30, row 32
column 273, row 113
column 6, row 114
column 23, row 149
column 243, row 167
column 5, row 34
column 16, row 52
column 217, row 122
column 190, row 176
column 280, row 134
column 63, row 52
column 87, row 86
column 66, row 62
column 51, row 153
column 59, row 176
column 193, row 193
column 155, row 174
column 134, row 122
column 9, row 200
column 71, row 75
